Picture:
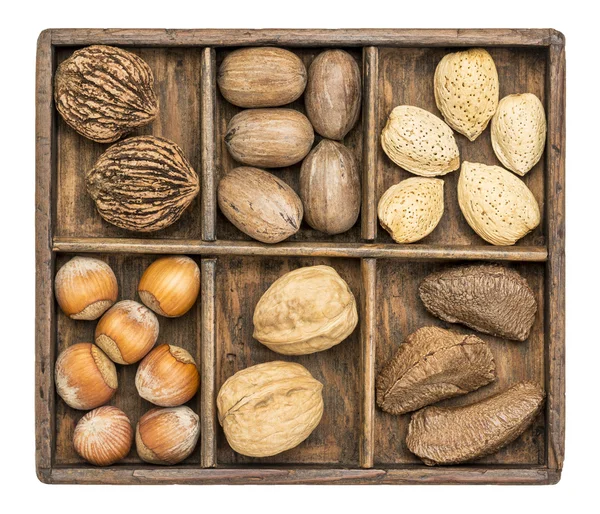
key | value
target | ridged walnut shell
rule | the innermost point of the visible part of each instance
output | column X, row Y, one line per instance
column 330, row 188
column 450, row 435
column 104, row 92
column 433, row 364
column 260, row 204
column 411, row 209
column 519, row 132
column 419, row 142
column 466, row 90
column 496, row 204
column 142, row 184
column 269, row 408
column 306, row 310
column 489, row 298
column 269, row 138
column 333, row 93
column 261, row 77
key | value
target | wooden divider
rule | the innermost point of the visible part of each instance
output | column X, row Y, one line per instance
column 209, row 144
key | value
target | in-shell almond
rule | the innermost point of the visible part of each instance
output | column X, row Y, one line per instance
column 449, row 435
column 433, row 364
column 306, row 310
column 496, row 204
column 269, row 138
column 142, row 183
column 333, row 93
column 260, row 204
column 466, row 90
column 104, row 92
column 519, row 132
column 411, row 209
column 269, row 408
column 419, row 142
column 261, row 77
column 330, row 188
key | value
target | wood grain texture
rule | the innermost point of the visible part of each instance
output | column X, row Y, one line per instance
column 241, row 282
column 208, row 142
column 400, row 313
column 370, row 116
column 355, row 250
column 183, row 332
column 406, row 78
column 208, row 415
column 368, row 342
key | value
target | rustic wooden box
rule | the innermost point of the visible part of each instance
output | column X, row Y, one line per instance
column 355, row 442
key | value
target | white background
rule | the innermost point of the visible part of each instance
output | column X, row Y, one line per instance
column 22, row 23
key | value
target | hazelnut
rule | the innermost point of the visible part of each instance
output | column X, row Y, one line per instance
column 127, row 332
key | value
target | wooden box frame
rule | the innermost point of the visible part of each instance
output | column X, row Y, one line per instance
column 208, row 249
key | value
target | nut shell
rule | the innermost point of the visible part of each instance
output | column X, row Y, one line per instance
column 103, row 436
column 419, row 142
column 496, row 204
column 411, row 209
column 167, row 376
column 127, row 332
column 306, row 310
column 261, row 77
column 466, row 90
column 269, row 408
column 142, row 184
column 85, row 288
column 269, row 138
column 167, row 436
column 330, row 188
column 104, row 92
column 85, row 377
column 519, row 132
column 333, row 93
column 260, row 204
column 450, row 435
column 170, row 285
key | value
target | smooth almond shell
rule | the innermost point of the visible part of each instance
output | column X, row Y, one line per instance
column 496, row 204
column 333, row 93
column 519, row 132
column 127, row 332
column 103, row 436
column 85, row 377
column 269, row 138
column 419, row 142
column 85, row 288
column 260, row 204
column 170, row 285
column 269, row 408
column 167, row 436
column 330, row 188
column 466, row 90
column 167, row 376
column 261, row 77
column 306, row 310
column 411, row 209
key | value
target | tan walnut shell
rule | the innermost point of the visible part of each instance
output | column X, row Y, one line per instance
column 411, row 209
column 269, row 408
column 330, row 188
column 466, row 90
column 419, row 142
column 260, row 204
column 142, row 184
column 333, row 93
column 306, row 310
column 519, row 132
column 261, row 77
column 496, row 204
column 104, row 92
column 269, row 138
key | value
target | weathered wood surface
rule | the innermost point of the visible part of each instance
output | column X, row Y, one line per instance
column 208, row 144
column 370, row 120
